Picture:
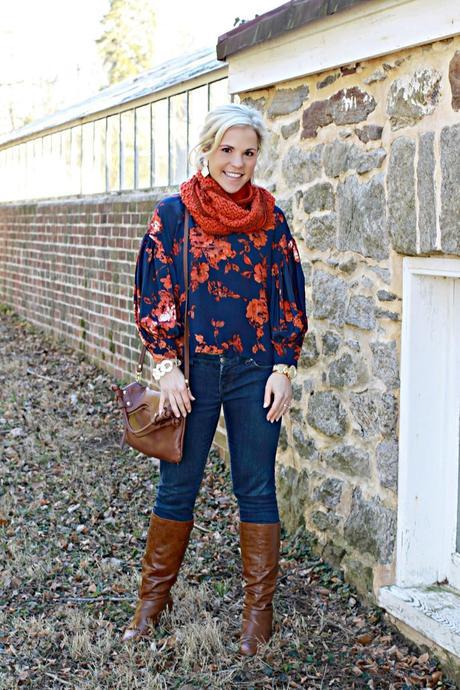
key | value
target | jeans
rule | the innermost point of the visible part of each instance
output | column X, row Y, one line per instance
column 237, row 383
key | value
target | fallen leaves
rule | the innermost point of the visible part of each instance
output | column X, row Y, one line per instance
column 73, row 521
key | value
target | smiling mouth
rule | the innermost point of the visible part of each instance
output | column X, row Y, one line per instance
column 233, row 176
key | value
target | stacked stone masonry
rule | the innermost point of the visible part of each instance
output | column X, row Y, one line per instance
column 365, row 161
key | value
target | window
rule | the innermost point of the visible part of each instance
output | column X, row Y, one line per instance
column 160, row 144
column 143, row 146
column 178, row 138
column 127, row 150
column 113, row 152
column 138, row 148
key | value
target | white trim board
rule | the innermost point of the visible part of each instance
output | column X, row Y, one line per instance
column 428, row 470
column 433, row 611
column 359, row 33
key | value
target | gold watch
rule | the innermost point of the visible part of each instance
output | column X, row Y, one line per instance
column 290, row 371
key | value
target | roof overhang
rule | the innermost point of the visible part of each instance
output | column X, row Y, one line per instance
column 291, row 15
column 306, row 37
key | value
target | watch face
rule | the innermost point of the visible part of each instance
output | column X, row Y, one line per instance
column 292, row 371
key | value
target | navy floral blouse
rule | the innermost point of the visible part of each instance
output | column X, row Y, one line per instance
column 246, row 290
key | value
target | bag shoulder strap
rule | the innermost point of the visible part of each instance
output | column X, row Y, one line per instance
column 186, row 322
column 140, row 363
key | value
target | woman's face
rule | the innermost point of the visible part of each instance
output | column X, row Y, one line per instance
column 233, row 162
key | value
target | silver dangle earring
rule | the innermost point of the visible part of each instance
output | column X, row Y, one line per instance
column 205, row 169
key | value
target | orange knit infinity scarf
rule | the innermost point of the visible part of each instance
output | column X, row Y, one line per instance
column 219, row 213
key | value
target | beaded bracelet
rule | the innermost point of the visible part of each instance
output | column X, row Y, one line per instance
column 164, row 367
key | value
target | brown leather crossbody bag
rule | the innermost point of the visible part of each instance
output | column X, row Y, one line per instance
column 153, row 434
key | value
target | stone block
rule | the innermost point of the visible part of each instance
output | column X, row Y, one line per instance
column 351, row 105
column 387, row 463
column 386, row 296
column 286, row 101
column 286, row 206
column 320, row 232
column 331, row 342
column 299, row 166
column 257, row 103
column 385, row 363
column 386, row 314
column 324, row 521
column 454, row 80
column 371, row 527
column 305, row 447
column 413, row 96
column 348, row 459
column 401, row 196
column 319, row 197
column 283, row 443
column 361, row 312
column 426, row 193
column 317, row 115
column 268, row 158
column 347, row 106
column 329, row 492
column 343, row 372
column 362, row 217
column 450, row 197
column 374, row 412
column 327, row 414
column 329, row 295
column 292, row 493
column 369, row 133
column 330, row 79
column 341, row 156
column 309, row 353
column 290, row 129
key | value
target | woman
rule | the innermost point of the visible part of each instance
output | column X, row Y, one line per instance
column 247, row 323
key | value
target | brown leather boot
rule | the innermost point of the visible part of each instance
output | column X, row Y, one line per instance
column 260, row 545
column 167, row 542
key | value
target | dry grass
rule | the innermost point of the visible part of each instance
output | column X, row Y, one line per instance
column 74, row 511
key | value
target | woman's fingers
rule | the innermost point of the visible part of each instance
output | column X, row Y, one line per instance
column 279, row 407
column 176, row 391
column 162, row 402
column 280, row 388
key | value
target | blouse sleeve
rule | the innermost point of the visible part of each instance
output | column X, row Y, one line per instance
column 287, row 302
column 156, row 308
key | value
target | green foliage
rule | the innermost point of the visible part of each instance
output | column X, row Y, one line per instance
column 127, row 43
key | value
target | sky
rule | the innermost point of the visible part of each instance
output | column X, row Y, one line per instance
column 54, row 41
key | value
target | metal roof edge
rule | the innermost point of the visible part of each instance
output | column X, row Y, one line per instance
column 175, row 71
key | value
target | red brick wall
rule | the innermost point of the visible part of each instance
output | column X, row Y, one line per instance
column 68, row 265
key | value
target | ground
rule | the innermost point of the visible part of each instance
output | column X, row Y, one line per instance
column 73, row 518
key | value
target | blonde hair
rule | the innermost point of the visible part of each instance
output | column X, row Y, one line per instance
column 217, row 122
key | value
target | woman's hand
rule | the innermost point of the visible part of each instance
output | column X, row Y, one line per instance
column 174, row 390
column 280, row 387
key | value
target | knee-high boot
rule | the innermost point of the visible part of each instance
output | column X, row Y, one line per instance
column 167, row 542
column 260, row 544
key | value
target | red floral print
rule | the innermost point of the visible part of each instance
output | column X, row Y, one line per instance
column 246, row 290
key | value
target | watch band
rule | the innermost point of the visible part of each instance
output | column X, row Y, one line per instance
column 289, row 370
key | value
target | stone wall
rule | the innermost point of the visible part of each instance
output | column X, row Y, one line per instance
column 365, row 161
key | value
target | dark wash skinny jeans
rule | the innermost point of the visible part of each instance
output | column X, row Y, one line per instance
column 237, row 383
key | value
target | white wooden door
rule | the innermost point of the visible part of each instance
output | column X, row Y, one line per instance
column 428, row 485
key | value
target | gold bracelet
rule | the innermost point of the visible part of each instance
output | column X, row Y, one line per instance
column 290, row 371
